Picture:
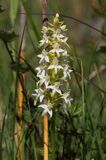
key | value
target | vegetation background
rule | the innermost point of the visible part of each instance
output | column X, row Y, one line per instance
column 82, row 133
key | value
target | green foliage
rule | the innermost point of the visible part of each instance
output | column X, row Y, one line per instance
column 13, row 9
column 8, row 35
column 31, row 21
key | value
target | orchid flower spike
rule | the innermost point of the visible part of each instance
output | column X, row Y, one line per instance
column 53, row 71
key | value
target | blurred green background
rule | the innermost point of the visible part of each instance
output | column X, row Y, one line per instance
column 88, row 47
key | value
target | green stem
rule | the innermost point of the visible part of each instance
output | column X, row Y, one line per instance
column 83, row 109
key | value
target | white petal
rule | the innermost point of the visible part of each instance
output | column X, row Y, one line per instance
column 57, row 50
column 41, row 98
column 65, row 53
column 57, row 36
column 37, row 90
column 57, row 15
column 65, row 96
column 38, row 68
column 34, row 94
column 49, row 112
column 46, row 109
column 40, row 55
column 46, row 83
column 44, row 106
column 43, row 57
column 63, row 27
column 59, row 91
column 46, row 58
column 55, row 67
column 54, row 88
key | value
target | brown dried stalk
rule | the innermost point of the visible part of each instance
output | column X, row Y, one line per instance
column 45, row 23
column 20, row 91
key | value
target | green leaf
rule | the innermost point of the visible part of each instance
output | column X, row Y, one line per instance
column 8, row 36
column 13, row 9
column 22, row 67
column 31, row 20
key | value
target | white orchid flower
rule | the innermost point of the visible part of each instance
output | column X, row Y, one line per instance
column 66, row 98
column 56, row 67
column 45, row 40
column 43, row 57
column 55, row 89
column 57, row 36
column 63, row 27
column 39, row 70
column 39, row 93
column 41, row 75
column 46, row 109
column 57, row 50
column 66, row 72
column 44, row 78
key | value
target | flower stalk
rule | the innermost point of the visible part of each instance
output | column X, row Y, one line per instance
column 45, row 122
column 53, row 73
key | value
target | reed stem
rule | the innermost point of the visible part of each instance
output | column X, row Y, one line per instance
column 20, row 90
column 45, row 137
column 45, row 23
column 20, row 111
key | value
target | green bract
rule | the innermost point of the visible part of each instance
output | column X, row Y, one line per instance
column 53, row 70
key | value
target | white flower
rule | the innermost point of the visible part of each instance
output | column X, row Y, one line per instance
column 39, row 94
column 41, row 75
column 57, row 36
column 56, row 67
column 64, row 40
column 44, row 40
column 65, row 53
column 55, row 88
column 46, row 108
column 44, row 30
column 39, row 69
column 57, row 50
column 65, row 96
column 63, row 27
column 66, row 71
column 44, row 78
column 57, row 15
column 43, row 57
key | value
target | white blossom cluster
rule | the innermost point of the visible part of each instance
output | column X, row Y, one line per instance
column 53, row 70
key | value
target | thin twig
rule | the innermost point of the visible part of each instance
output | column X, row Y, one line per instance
column 9, row 51
column 92, row 83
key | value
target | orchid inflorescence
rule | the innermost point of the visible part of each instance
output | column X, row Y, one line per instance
column 53, row 70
